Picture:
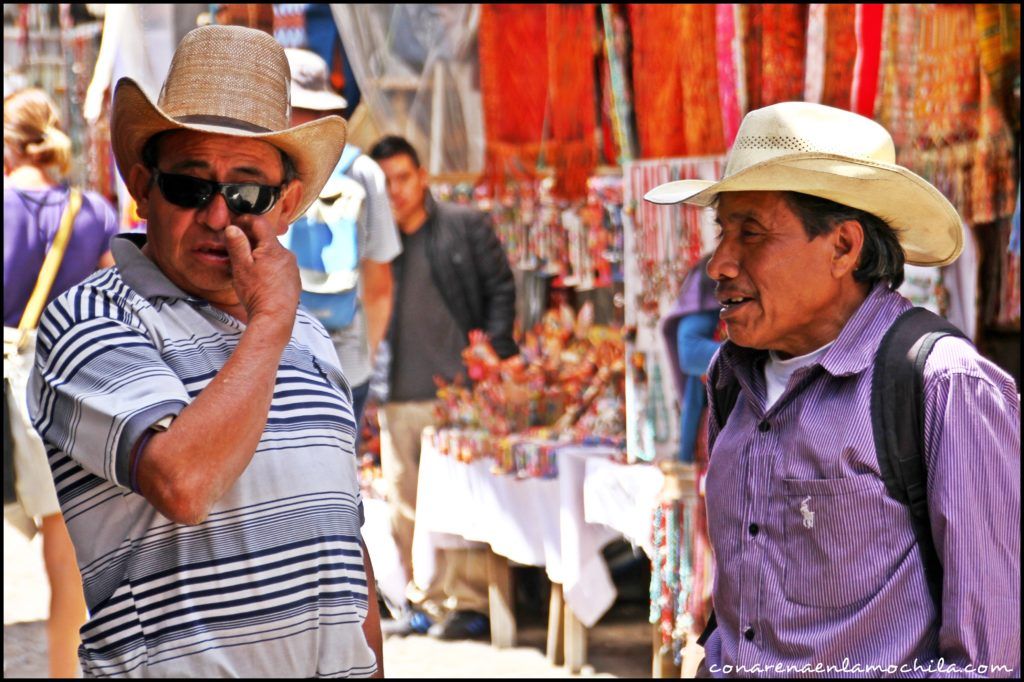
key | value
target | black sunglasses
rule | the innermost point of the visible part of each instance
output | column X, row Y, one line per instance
column 191, row 192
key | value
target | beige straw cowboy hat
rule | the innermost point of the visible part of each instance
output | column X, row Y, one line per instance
column 837, row 155
column 228, row 80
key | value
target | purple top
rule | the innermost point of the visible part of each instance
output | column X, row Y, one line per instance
column 31, row 220
column 697, row 294
column 815, row 563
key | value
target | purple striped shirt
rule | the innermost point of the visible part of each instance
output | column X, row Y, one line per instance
column 816, row 564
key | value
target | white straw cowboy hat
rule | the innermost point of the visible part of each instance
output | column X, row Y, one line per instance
column 836, row 155
column 310, row 88
column 228, row 80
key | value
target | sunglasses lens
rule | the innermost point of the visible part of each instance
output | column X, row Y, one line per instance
column 190, row 192
column 255, row 199
column 185, row 190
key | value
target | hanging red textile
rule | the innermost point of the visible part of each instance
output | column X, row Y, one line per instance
column 840, row 55
column 783, row 45
column 753, row 24
column 869, row 53
column 698, row 75
column 675, row 80
column 657, row 89
column 572, row 149
column 537, row 84
column 513, row 86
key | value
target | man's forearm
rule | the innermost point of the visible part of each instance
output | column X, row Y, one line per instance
column 185, row 470
column 377, row 301
column 371, row 626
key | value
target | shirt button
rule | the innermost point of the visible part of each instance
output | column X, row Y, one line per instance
column 754, row 529
column 749, row 634
column 764, row 426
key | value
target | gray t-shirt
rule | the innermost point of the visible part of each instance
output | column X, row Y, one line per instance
column 427, row 338
column 378, row 241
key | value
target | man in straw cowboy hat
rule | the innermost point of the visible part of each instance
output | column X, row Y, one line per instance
column 818, row 562
column 198, row 425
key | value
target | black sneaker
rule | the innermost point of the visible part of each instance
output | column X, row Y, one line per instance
column 462, row 625
column 411, row 622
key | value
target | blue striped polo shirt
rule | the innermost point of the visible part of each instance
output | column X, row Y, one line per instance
column 272, row 583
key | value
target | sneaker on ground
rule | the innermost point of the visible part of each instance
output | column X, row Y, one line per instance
column 411, row 622
column 462, row 625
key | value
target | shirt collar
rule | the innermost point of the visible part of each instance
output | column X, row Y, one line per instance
column 855, row 348
column 853, row 351
column 139, row 272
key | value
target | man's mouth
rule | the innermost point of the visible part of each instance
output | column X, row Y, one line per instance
column 215, row 254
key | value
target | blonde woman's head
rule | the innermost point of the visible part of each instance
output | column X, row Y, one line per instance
column 32, row 134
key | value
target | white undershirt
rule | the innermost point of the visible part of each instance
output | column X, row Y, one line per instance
column 778, row 371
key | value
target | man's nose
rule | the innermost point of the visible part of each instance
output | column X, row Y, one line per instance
column 724, row 263
column 215, row 214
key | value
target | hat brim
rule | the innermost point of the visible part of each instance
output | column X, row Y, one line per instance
column 316, row 100
column 313, row 147
column 927, row 224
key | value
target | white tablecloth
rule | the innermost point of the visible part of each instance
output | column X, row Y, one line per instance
column 622, row 497
column 536, row 522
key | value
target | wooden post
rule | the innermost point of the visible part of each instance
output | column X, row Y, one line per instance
column 499, row 595
column 556, row 627
column 693, row 654
column 575, row 641
column 662, row 663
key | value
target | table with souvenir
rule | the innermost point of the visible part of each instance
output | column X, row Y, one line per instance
column 510, row 456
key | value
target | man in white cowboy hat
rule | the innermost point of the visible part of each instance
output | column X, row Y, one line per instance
column 198, row 426
column 352, row 210
column 820, row 568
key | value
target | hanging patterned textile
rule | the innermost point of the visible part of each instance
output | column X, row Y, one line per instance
column 840, row 55
column 998, row 28
column 572, row 151
column 814, row 71
column 869, row 47
column 657, row 90
column 774, row 52
column 729, row 49
column 616, row 39
column 675, row 80
column 945, row 123
column 290, row 24
column 536, row 81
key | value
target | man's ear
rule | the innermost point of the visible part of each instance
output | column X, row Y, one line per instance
column 291, row 195
column 847, row 244
column 139, row 186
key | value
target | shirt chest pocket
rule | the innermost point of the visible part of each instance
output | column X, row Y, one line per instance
column 842, row 540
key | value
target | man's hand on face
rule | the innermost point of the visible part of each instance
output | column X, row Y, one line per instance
column 265, row 276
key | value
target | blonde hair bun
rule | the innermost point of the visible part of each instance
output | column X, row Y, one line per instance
column 31, row 130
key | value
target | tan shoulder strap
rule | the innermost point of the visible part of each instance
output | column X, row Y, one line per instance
column 48, row 273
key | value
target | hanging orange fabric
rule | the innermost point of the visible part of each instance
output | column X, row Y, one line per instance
column 572, row 38
column 783, row 45
column 840, row 55
column 537, row 84
column 657, row 89
column 513, row 86
column 698, row 74
column 675, row 80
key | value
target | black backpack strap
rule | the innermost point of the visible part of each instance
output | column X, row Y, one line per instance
column 897, row 421
column 708, row 629
column 725, row 396
column 725, row 400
